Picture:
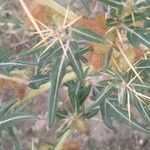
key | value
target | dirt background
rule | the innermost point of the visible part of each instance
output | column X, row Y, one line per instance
column 99, row 136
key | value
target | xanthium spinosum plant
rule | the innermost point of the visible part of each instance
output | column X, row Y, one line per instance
column 74, row 43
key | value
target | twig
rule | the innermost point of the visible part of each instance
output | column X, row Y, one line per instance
column 63, row 139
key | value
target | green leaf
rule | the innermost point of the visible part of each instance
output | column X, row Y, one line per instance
column 142, row 4
column 24, row 53
column 14, row 138
column 49, row 57
column 73, row 89
column 9, row 61
column 140, row 86
column 6, row 56
column 122, row 96
column 137, row 17
column 111, row 109
column 77, row 94
column 4, row 108
column 63, row 129
column 57, row 74
column 114, row 3
column 88, row 35
column 137, row 36
column 9, row 116
column 107, row 58
column 91, row 113
column 142, row 108
column 16, row 64
column 110, row 22
column 146, row 24
column 101, row 96
column 37, row 80
column 75, row 62
column 83, row 93
column 62, row 113
column 16, row 118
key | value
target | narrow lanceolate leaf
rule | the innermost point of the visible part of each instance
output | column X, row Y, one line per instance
column 99, row 98
column 111, row 109
column 4, row 109
column 63, row 129
column 14, row 138
column 141, row 86
column 37, row 80
column 137, row 17
column 57, row 74
column 73, row 89
column 113, row 3
column 91, row 113
column 17, row 64
column 88, row 35
column 62, row 113
column 138, row 36
column 15, row 119
column 75, row 62
column 5, row 55
column 142, row 108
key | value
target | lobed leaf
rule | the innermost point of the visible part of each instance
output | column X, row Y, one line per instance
column 111, row 109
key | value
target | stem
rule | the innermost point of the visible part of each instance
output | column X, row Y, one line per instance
column 63, row 139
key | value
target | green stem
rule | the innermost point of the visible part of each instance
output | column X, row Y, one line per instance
column 63, row 139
